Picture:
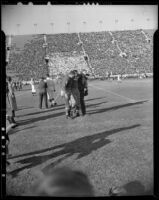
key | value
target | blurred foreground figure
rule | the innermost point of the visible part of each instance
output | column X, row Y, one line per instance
column 67, row 91
column 50, row 90
column 63, row 182
column 10, row 97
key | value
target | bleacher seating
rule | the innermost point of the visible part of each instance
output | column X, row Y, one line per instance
column 60, row 43
column 119, row 52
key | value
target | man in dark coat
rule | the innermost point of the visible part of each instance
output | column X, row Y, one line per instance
column 83, row 90
column 42, row 93
column 76, row 94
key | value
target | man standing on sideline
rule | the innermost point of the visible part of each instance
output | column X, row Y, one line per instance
column 83, row 90
column 42, row 93
column 50, row 90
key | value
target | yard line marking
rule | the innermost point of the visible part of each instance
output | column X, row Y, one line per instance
column 131, row 100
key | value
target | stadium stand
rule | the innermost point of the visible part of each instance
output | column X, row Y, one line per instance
column 65, row 53
column 118, row 52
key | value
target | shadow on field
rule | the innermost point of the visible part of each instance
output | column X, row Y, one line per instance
column 17, row 130
column 32, row 120
column 95, row 104
column 115, row 107
column 81, row 146
column 133, row 188
column 136, row 188
column 95, row 98
column 58, row 107
column 24, row 122
column 24, row 108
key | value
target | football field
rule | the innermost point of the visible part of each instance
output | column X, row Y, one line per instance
column 112, row 144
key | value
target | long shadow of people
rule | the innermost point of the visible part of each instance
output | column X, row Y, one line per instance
column 25, row 122
column 95, row 99
column 24, row 108
column 82, row 146
column 17, row 130
column 115, row 107
column 95, row 104
column 32, row 120
column 44, row 111
column 58, row 108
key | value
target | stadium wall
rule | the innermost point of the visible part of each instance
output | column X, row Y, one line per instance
column 54, row 19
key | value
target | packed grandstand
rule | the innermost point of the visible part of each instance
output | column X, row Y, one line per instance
column 100, row 53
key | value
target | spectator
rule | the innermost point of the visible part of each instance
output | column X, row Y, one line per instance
column 20, row 85
column 11, row 100
column 15, row 85
column 42, row 93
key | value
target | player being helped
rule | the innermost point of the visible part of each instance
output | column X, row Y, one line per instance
column 69, row 93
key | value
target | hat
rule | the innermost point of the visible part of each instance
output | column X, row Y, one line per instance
column 72, row 73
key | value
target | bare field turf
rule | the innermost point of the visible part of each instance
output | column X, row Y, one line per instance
column 112, row 144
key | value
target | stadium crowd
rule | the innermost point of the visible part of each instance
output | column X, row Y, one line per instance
column 118, row 52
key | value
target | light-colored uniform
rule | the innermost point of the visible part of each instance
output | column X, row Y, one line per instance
column 33, row 90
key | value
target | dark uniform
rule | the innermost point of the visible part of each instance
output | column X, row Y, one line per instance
column 83, row 90
column 42, row 93
column 76, row 94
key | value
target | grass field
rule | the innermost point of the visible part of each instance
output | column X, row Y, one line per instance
column 112, row 144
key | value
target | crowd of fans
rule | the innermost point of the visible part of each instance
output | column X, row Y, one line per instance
column 62, row 43
column 64, row 63
column 121, row 52
column 138, row 47
column 30, row 61
column 118, row 52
